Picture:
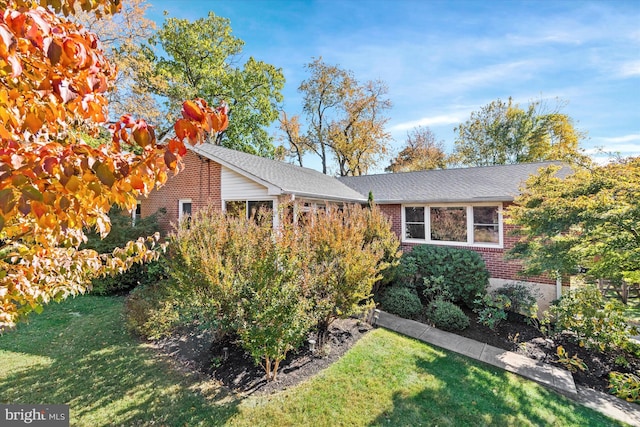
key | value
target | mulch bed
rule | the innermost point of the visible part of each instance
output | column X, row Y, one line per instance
column 518, row 336
column 198, row 351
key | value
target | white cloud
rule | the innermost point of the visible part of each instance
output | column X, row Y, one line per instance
column 629, row 69
column 625, row 138
column 626, row 145
column 444, row 119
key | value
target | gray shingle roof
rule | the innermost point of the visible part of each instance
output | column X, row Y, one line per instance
column 478, row 184
column 290, row 179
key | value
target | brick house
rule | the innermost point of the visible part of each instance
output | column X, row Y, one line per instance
column 454, row 207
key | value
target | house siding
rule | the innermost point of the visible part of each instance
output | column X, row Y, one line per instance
column 199, row 181
column 238, row 187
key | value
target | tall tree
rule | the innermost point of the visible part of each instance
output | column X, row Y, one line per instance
column 590, row 218
column 421, row 152
column 344, row 120
column 503, row 133
column 53, row 184
column 200, row 59
column 122, row 36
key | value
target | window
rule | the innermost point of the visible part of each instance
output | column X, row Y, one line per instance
column 184, row 209
column 414, row 222
column 456, row 225
column 259, row 209
column 486, row 226
column 236, row 208
column 448, row 224
column 136, row 213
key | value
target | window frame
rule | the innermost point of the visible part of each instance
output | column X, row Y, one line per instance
column 469, row 222
column 274, row 206
column 181, row 204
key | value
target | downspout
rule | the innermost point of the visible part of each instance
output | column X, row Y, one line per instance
column 558, row 285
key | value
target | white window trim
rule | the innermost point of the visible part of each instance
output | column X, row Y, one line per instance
column 181, row 204
column 469, row 207
column 274, row 200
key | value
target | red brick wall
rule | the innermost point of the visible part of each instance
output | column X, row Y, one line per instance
column 498, row 266
column 199, row 181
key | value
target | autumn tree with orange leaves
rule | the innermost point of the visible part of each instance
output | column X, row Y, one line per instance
column 54, row 77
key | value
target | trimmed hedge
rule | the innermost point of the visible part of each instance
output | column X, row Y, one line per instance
column 464, row 273
column 401, row 301
column 447, row 316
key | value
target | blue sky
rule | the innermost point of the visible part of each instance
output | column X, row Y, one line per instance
column 444, row 59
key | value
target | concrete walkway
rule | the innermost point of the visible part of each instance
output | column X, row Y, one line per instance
column 549, row 376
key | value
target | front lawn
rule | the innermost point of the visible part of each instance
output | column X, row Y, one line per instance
column 78, row 353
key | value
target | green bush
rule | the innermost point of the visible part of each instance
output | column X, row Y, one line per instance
column 150, row 311
column 522, row 299
column 595, row 321
column 464, row 274
column 434, row 289
column 447, row 316
column 401, row 301
column 492, row 309
column 123, row 231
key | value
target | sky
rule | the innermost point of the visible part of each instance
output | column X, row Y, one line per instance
column 442, row 60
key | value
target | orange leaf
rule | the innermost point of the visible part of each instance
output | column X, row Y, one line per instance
column 137, row 183
column 219, row 121
column 185, row 129
column 142, row 134
column 177, row 146
column 33, row 122
column 38, row 209
column 48, row 221
column 73, row 184
column 95, row 187
column 191, row 110
column 170, row 160
column 105, row 175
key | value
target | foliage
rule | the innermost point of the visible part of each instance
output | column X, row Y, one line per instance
column 187, row 59
column 349, row 248
column 503, row 133
column 625, row 386
column 421, row 152
column 401, row 301
column 273, row 314
column 447, row 316
column 251, row 281
column 124, row 229
column 595, row 321
column 492, row 309
column 150, row 310
column 521, row 299
column 345, row 120
column 53, row 184
column 434, row 288
column 379, row 236
column 573, row 364
column 463, row 271
column 122, row 36
column 271, row 286
column 586, row 219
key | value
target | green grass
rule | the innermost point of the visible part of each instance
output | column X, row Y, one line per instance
column 78, row 353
